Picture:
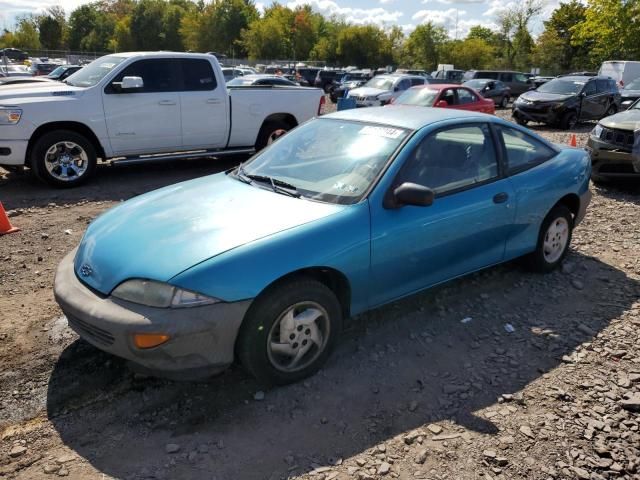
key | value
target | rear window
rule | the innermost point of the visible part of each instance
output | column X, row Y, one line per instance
column 197, row 74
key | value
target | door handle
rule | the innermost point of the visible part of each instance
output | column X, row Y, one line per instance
column 500, row 197
column 214, row 101
column 166, row 102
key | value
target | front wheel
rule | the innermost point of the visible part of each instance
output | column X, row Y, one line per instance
column 553, row 240
column 612, row 110
column 63, row 158
column 504, row 103
column 521, row 121
column 569, row 121
column 289, row 332
column 270, row 132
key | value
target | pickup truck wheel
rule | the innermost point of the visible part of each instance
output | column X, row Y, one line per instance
column 553, row 240
column 270, row 132
column 289, row 332
column 63, row 158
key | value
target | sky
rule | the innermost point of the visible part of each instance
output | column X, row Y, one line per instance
column 457, row 16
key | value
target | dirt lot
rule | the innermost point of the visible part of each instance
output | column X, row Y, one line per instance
column 412, row 392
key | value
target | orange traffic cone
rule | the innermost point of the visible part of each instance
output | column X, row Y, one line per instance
column 573, row 141
column 5, row 224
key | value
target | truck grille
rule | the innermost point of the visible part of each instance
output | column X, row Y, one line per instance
column 620, row 138
column 91, row 331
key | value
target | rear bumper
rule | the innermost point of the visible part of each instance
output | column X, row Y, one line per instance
column 202, row 339
column 612, row 162
column 13, row 152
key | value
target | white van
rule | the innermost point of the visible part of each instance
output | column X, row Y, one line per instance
column 623, row 72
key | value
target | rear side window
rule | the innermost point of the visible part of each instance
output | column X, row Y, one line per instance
column 465, row 96
column 197, row 75
column 506, row 77
column 158, row 75
column 521, row 78
column 492, row 75
column 417, row 81
column 522, row 150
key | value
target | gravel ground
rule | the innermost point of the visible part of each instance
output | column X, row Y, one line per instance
column 500, row 375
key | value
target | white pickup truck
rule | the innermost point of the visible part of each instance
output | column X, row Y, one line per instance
column 138, row 107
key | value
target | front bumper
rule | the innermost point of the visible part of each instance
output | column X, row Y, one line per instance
column 542, row 114
column 202, row 339
column 13, row 152
column 611, row 161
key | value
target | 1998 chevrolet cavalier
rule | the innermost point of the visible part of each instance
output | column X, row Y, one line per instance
column 345, row 213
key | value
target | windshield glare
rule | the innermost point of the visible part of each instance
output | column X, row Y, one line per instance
column 58, row 71
column 94, row 72
column 380, row 82
column 423, row 97
column 333, row 161
column 562, row 87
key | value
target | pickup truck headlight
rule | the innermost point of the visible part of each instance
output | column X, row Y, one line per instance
column 597, row 131
column 159, row 294
column 10, row 115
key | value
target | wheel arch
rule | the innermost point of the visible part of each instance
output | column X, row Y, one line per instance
column 77, row 127
column 287, row 118
column 571, row 201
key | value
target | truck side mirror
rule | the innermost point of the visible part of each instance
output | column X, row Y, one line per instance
column 129, row 84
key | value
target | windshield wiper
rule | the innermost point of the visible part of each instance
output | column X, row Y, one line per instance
column 278, row 186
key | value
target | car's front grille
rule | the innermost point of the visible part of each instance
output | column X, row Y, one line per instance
column 620, row 138
column 97, row 334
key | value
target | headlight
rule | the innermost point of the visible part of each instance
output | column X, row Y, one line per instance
column 160, row 295
column 10, row 115
column 597, row 131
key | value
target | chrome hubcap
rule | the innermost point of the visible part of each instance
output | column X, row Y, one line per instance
column 298, row 337
column 276, row 134
column 66, row 161
column 555, row 240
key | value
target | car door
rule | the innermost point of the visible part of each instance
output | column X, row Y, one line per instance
column 467, row 100
column 203, row 101
column 591, row 102
column 145, row 120
column 465, row 228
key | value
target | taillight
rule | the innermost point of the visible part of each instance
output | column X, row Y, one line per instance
column 323, row 101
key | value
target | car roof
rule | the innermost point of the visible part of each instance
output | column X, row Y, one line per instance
column 399, row 75
column 582, row 78
column 439, row 86
column 404, row 117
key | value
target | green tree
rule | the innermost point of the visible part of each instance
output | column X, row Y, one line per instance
column 363, row 45
column 467, row 54
column 610, row 30
column 26, row 34
column 422, row 48
column 147, row 25
column 51, row 28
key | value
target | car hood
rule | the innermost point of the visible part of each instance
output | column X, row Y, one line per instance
column 367, row 92
column 627, row 120
column 162, row 233
column 540, row 97
column 13, row 93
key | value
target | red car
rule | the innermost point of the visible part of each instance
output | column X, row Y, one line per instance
column 446, row 96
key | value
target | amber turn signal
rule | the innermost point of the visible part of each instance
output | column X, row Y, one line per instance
column 149, row 340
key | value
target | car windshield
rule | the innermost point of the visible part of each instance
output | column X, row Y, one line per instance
column 477, row 84
column 635, row 85
column 58, row 71
column 381, row 83
column 95, row 71
column 423, row 97
column 562, row 87
column 333, row 161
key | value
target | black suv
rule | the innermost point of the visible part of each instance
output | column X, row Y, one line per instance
column 326, row 79
column 14, row 54
column 565, row 101
column 307, row 76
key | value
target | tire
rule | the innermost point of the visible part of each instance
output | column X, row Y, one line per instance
column 612, row 110
column 545, row 258
column 569, row 121
column 521, row 121
column 504, row 103
column 270, row 132
column 77, row 166
column 264, row 321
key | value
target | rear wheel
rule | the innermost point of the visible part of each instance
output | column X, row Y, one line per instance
column 270, row 132
column 504, row 103
column 63, row 158
column 553, row 240
column 289, row 332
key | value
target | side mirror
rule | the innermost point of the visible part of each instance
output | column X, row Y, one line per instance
column 413, row 194
column 442, row 104
column 131, row 83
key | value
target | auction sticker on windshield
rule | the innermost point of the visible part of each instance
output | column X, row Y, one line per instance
column 381, row 132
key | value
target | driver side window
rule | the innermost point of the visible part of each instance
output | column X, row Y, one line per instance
column 158, row 75
column 452, row 159
column 590, row 88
